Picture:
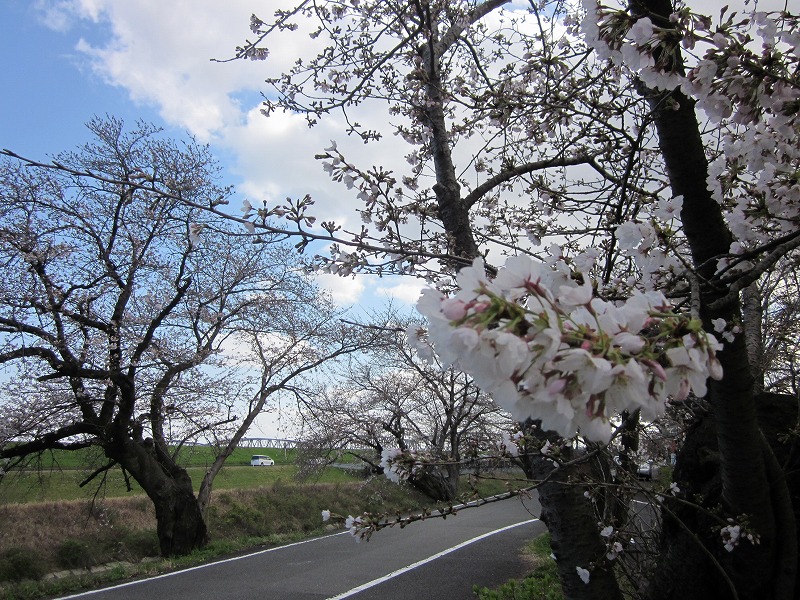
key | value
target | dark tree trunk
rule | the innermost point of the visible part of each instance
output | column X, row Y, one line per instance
column 571, row 526
column 571, row 520
column 688, row 571
column 438, row 483
column 179, row 521
column 574, row 534
column 180, row 524
column 453, row 211
column 748, row 485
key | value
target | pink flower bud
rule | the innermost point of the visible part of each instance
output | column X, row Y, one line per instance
column 556, row 386
column 454, row 309
column 480, row 307
column 656, row 368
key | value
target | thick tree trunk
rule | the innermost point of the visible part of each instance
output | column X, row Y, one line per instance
column 566, row 511
column 438, row 483
column 574, row 532
column 180, row 524
column 571, row 519
column 693, row 565
column 179, row 521
column 755, row 571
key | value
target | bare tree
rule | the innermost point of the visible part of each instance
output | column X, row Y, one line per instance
column 285, row 345
column 116, row 305
column 393, row 400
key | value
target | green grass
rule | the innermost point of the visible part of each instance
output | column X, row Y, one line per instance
column 188, row 456
column 252, row 506
column 541, row 584
column 48, row 485
column 123, row 529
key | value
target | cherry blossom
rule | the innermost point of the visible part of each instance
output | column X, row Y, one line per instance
column 735, row 531
column 753, row 96
column 195, row 229
column 355, row 527
column 567, row 358
column 392, row 468
column 509, row 443
column 583, row 574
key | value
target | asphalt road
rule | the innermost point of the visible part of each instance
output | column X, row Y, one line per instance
column 433, row 560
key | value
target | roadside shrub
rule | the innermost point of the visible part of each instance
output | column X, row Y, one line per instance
column 135, row 545
column 244, row 520
column 74, row 554
column 18, row 564
column 539, row 586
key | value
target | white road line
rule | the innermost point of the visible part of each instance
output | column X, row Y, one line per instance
column 203, row 566
column 219, row 562
column 419, row 563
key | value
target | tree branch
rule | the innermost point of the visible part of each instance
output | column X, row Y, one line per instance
column 509, row 174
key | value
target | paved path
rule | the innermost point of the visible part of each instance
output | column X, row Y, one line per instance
column 437, row 559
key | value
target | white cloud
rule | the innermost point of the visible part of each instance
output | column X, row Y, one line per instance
column 408, row 291
column 275, row 159
column 61, row 15
column 160, row 53
column 344, row 290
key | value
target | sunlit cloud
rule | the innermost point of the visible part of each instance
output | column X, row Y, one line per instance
column 407, row 292
column 345, row 291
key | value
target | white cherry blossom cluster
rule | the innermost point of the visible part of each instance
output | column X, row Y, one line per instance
column 644, row 242
column 509, row 443
column 733, row 533
column 394, row 469
column 545, row 348
column 747, row 80
column 613, row 546
column 361, row 527
column 354, row 526
column 730, row 80
column 399, row 465
column 584, row 574
column 672, row 490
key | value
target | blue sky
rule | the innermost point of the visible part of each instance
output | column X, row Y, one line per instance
column 65, row 61
column 49, row 90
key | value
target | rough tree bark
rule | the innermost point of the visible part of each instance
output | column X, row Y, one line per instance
column 572, row 523
column 179, row 521
column 439, row 483
column 748, row 486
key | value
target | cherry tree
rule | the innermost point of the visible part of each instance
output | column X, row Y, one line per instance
column 122, row 304
column 614, row 178
column 391, row 404
column 284, row 348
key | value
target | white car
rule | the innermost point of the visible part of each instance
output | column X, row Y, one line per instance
column 261, row 460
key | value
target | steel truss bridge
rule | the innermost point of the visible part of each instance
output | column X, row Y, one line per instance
column 265, row 442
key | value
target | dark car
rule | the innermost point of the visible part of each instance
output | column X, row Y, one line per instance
column 646, row 471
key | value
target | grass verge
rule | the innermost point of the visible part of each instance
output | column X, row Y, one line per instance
column 43, row 486
column 541, row 584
